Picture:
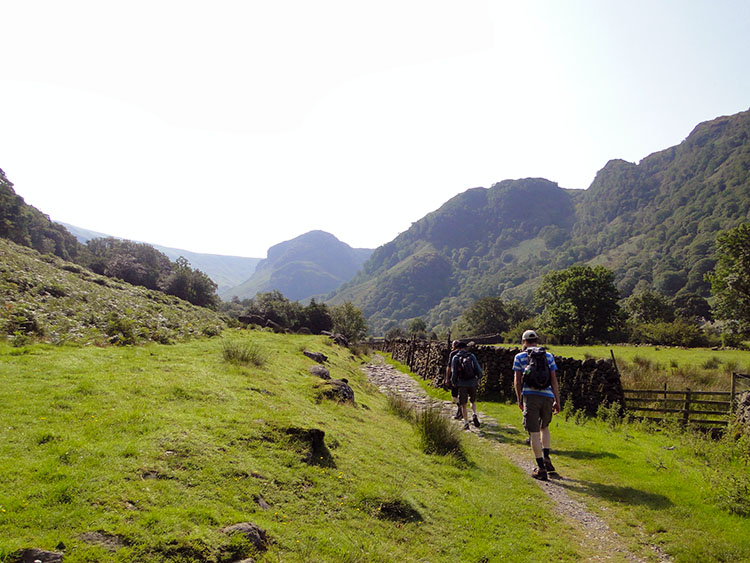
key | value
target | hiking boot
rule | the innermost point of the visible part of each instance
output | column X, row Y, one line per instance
column 459, row 414
column 466, row 425
column 475, row 420
column 527, row 441
column 548, row 465
column 539, row 474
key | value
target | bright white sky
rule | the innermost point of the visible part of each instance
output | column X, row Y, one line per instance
column 229, row 126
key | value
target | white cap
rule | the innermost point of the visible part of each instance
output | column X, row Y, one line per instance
column 529, row 335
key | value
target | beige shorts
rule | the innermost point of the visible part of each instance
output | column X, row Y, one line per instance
column 537, row 412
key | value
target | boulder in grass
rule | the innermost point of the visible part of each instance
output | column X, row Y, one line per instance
column 317, row 356
column 32, row 555
column 320, row 371
column 255, row 534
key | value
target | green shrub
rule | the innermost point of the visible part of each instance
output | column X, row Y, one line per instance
column 611, row 414
column 677, row 333
column 438, row 434
column 712, row 363
column 243, row 353
column 121, row 329
column 400, row 407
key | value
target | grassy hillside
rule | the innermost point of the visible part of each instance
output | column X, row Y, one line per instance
column 146, row 453
column 46, row 298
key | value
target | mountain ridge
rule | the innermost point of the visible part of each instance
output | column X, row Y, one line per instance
column 653, row 223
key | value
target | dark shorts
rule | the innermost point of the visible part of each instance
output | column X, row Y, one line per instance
column 537, row 412
column 454, row 392
column 465, row 393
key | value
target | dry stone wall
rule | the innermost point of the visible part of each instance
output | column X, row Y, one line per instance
column 587, row 384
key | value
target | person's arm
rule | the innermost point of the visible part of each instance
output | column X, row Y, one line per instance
column 518, row 384
column 448, row 376
column 555, row 390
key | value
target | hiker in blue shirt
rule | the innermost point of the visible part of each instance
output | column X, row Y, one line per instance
column 538, row 401
column 465, row 374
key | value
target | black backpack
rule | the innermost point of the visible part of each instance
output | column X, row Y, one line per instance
column 537, row 373
column 466, row 369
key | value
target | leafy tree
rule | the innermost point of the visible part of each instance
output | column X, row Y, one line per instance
column 395, row 332
column 580, row 304
column 730, row 280
column 349, row 321
column 133, row 262
column 649, row 307
column 487, row 315
column 192, row 285
column 692, row 307
column 273, row 306
column 25, row 225
column 317, row 317
column 517, row 312
column 418, row 327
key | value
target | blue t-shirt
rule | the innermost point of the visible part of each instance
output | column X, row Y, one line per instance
column 521, row 361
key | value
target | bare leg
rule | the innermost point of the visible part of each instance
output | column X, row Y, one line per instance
column 536, row 444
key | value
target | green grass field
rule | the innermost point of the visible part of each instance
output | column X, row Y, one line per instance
column 679, row 490
column 652, row 366
column 160, row 447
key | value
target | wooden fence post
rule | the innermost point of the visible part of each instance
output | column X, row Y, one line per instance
column 734, row 391
column 686, row 416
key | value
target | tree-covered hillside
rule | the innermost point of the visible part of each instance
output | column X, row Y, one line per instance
column 27, row 226
column 652, row 223
column 136, row 263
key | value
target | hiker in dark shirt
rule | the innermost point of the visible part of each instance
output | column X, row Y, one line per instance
column 449, row 385
column 465, row 374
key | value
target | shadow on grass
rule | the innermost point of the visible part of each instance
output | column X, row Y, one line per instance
column 493, row 431
column 584, row 454
column 614, row 493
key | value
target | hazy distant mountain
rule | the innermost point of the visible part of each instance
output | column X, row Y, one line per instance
column 312, row 264
column 226, row 271
column 653, row 223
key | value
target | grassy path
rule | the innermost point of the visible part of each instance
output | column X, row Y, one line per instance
column 601, row 538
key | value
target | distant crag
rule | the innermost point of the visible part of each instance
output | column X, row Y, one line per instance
column 311, row 264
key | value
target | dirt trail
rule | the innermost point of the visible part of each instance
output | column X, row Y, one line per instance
column 601, row 538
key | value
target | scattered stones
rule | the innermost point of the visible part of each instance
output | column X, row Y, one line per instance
column 317, row 356
column 33, row 555
column 337, row 390
column 255, row 534
column 261, row 502
column 109, row 542
column 320, row 371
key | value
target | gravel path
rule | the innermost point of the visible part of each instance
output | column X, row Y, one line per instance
column 601, row 538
